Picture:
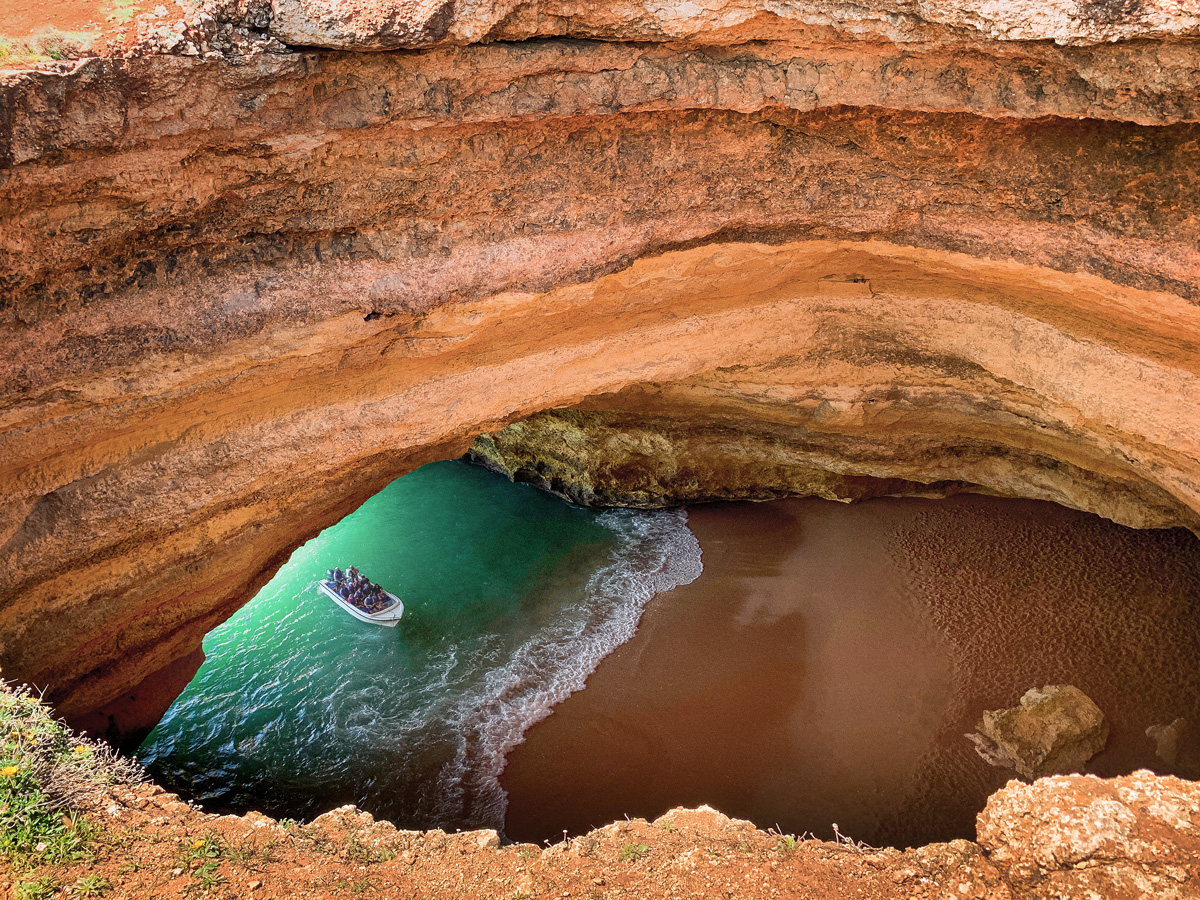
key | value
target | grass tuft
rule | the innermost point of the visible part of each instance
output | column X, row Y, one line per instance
column 353, row 849
column 48, row 43
column 46, row 774
column 91, row 886
column 633, row 852
column 39, row 889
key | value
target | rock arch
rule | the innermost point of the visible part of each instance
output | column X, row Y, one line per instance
column 243, row 294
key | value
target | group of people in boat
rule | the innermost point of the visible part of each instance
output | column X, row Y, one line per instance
column 355, row 588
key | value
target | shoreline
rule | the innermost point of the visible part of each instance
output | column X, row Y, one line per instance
column 822, row 670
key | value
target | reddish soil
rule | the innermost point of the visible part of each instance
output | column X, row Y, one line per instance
column 111, row 21
column 20, row 18
column 155, row 846
column 1044, row 841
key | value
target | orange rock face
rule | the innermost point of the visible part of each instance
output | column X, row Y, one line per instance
column 241, row 295
column 390, row 24
column 1082, row 836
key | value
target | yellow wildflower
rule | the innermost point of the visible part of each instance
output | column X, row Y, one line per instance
column 8, row 771
column 80, row 750
column 196, row 845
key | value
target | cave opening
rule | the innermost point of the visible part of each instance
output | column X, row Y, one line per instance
column 797, row 662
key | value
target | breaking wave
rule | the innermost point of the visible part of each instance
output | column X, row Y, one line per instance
column 655, row 552
column 512, row 599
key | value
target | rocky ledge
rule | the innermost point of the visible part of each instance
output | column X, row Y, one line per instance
column 78, row 818
column 730, row 249
column 1063, row 837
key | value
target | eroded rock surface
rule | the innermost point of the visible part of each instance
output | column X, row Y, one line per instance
column 807, row 250
column 389, row 24
column 1054, row 731
column 1081, row 836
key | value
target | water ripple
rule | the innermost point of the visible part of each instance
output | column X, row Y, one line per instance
column 512, row 599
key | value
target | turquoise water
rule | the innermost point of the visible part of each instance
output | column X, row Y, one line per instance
column 512, row 597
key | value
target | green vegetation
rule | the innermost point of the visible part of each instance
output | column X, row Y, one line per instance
column 357, row 851
column 33, row 828
column 633, row 852
column 207, row 878
column 32, row 831
column 41, row 889
column 786, row 843
column 44, row 773
column 250, row 856
column 90, row 886
column 243, row 856
column 121, row 11
column 47, row 44
column 207, row 847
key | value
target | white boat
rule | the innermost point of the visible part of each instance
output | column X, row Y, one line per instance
column 388, row 616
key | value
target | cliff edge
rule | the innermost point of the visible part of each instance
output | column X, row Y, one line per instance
column 102, row 829
column 259, row 266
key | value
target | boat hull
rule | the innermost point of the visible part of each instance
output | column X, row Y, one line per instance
column 386, row 617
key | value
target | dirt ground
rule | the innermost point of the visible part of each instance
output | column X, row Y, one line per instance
column 109, row 26
column 1060, row 838
column 153, row 845
column 19, row 18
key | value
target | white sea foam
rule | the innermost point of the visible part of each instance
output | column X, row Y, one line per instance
column 289, row 714
column 655, row 552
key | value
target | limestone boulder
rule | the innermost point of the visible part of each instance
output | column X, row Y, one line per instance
column 1082, row 836
column 1167, row 739
column 1054, row 731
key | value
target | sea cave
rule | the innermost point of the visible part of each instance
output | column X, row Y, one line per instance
column 929, row 272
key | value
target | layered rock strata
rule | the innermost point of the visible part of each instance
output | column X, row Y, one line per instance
column 800, row 254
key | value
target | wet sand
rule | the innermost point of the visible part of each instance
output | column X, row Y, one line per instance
column 827, row 663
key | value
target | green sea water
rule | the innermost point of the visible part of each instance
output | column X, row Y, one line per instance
column 512, row 597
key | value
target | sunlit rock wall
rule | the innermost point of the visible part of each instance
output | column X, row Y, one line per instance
column 795, row 248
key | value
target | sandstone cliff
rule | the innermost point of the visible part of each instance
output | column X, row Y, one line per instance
column 762, row 247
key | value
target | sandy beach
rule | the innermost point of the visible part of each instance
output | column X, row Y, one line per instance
column 827, row 663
